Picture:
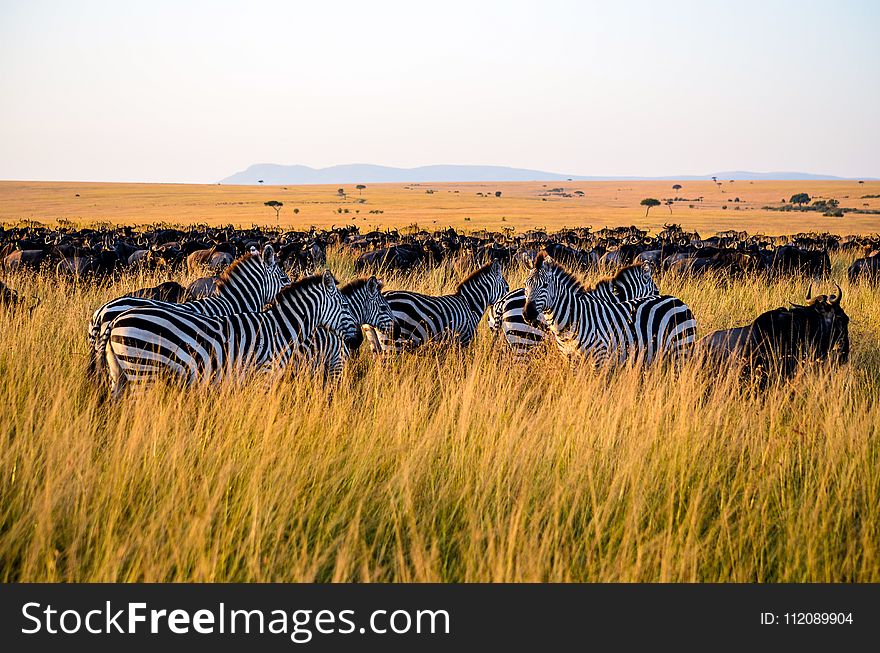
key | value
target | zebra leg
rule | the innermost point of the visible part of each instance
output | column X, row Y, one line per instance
column 115, row 373
column 99, row 346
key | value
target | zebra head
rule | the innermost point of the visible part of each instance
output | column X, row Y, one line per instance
column 378, row 313
column 334, row 311
column 252, row 281
column 541, row 288
column 634, row 282
column 276, row 277
column 368, row 307
column 368, row 304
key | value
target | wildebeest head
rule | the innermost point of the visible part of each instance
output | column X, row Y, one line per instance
column 817, row 330
column 834, row 338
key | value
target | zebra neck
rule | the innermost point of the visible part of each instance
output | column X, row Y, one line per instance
column 239, row 300
column 476, row 297
column 357, row 305
column 565, row 311
column 241, row 291
column 603, row 291
column 294, row 321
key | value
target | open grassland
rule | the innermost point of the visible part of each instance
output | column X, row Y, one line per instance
column 521, row 206
column 445, row 465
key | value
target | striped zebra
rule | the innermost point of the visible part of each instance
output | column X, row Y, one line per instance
column 588, row 324
column 245, row 286
column 324, row 355
column 146, row 343
column 424, row 318
column 327, row 352
column 506, row 315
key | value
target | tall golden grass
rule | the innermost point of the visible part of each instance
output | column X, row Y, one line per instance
column 445, row 465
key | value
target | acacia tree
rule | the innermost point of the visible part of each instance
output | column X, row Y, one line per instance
column 360, row 188
column 649, row 202
column 800, row 198
column 676, row 188
column 341, row 193
column 275, row 205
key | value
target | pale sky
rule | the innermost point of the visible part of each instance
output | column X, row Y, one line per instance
column 195, row 91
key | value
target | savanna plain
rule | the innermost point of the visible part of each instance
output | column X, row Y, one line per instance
column 447, row 464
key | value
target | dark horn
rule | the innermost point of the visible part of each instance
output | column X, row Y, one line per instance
column 809, row 291
column 838, row 297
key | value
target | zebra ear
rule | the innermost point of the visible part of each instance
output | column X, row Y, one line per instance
column 496, row 267
column 329, row 281
column 268, row 256
column 372, row 285
column 541, row 259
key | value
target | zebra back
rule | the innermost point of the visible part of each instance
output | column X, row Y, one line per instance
column 247, row 285
column 422, row 318
column 588, row 323
column 145, row 342
column 506, row 315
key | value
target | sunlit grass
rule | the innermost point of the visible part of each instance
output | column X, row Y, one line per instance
column 445, row 465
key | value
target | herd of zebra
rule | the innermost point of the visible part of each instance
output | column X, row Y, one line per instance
column 259, row 321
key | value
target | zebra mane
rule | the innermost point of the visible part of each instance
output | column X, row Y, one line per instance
column 232, row 271
column 353, row 286
column 561, row 273
column 474, row 275
column 606, row 281
column 298, row 286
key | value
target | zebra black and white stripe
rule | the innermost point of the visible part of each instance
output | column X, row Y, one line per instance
column 325, row 355
column 589, row 325
column 246, row 286
column 145, row 343
column 506, row 315
column 327, row 352
column 424, row 318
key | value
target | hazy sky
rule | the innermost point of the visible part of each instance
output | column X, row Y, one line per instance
column 195, row 91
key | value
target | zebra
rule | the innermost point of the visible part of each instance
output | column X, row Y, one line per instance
column 145, row 343
column 419, row 319
column 588, row 324
column 251, row 282
column 327, row 352
column 325, row 355
column 506, row 315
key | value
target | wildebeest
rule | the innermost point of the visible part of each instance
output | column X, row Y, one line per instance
column 203, row 287
column 396, row 257
column 27, row 258
column 211, row 259
column 864, row 268
column 9, row 297
column 783, row 338
column 168, row 291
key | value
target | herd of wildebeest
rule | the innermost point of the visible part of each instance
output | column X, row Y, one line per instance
column 100, row 255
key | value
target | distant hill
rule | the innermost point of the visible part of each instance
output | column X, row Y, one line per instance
column 275, row 174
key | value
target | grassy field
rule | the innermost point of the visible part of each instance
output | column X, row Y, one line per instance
column 445, row 465
column 521, row 206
